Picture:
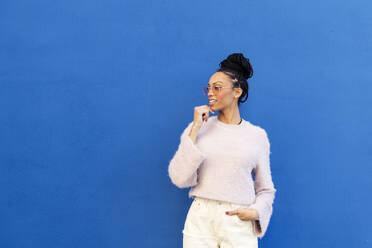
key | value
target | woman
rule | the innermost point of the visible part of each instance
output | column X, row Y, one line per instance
column 216, row 157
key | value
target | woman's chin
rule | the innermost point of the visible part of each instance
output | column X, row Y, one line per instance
column 213, row 108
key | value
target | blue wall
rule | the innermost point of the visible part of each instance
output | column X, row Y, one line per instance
column 94, row 95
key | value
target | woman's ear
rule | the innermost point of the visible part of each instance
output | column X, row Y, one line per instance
column 240, row 92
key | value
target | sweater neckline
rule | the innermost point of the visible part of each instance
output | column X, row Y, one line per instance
column 230, row 126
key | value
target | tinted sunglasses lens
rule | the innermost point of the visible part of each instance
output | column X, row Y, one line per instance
column 205, row 91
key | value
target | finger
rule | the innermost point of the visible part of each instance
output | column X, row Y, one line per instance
column 210, row 109
column 232, row 212
column 204, row 110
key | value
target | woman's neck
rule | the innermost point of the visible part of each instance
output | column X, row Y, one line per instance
column 230, row 118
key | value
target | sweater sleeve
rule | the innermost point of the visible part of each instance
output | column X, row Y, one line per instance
column 182, row 168
column 265, row 191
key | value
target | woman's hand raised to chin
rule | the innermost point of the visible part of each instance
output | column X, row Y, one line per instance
column 201, row 114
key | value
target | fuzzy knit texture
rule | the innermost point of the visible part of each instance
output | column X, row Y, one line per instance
column 220, row 164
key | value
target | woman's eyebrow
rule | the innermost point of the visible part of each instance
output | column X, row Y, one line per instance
column 216, row 82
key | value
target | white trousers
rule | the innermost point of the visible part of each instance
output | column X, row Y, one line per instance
column 208, row 226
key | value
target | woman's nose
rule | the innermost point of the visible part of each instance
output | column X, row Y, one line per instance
column 210, row 92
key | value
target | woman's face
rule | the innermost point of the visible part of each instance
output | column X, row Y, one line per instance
column 224, row 97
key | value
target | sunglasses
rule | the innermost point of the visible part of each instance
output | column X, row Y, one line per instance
column 215, row 89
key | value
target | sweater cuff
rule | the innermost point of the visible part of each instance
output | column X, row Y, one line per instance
column 184, row 165
column 264, row 215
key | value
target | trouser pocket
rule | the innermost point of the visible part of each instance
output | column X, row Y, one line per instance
column 237, row 220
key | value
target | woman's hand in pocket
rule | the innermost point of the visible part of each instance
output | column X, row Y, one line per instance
column 244, row 213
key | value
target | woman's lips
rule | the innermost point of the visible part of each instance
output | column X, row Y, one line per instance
column 213, row 102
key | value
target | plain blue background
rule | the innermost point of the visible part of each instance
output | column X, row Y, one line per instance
column 94, row 95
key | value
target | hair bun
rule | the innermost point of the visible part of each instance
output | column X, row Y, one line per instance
column 237, row 62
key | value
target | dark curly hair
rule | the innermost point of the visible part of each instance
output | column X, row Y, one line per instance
column 239, row 69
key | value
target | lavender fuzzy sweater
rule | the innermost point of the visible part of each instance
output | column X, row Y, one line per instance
column 219, row 165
